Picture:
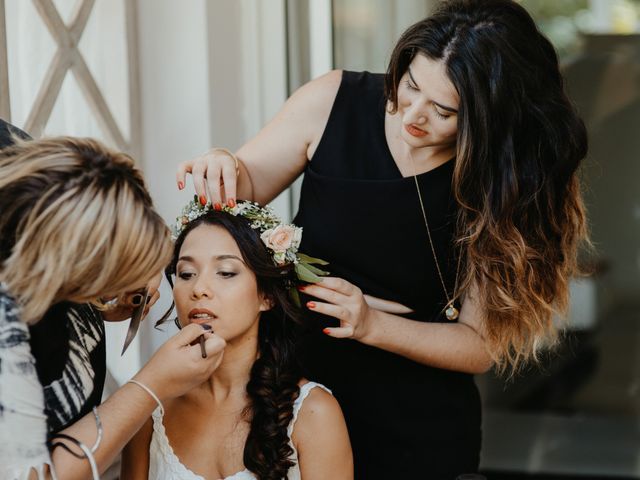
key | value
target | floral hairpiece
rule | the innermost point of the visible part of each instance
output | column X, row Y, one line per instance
column 281, row 239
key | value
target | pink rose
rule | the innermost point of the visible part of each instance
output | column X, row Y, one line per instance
column 281, row 238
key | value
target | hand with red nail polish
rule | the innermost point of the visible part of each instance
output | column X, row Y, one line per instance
column 344, row 301
column 216, row 175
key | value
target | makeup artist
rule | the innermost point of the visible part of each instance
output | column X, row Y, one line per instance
column 78, row 228
column 447, row 187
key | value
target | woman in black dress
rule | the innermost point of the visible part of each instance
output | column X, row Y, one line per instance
column 445, row 196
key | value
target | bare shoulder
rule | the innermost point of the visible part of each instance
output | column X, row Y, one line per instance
column 316, row 97
column 308, row 109
column 319, row 409
column 319, row 402
column 322, row 88
column 321, row 438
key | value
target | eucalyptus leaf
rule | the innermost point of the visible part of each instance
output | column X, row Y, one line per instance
column 315, row 270
column 306, row 275
column 307, row 259
column 295, row 296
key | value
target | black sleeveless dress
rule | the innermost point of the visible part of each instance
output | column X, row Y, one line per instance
column 405, row 420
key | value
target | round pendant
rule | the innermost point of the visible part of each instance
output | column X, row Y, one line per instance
column 451, row 312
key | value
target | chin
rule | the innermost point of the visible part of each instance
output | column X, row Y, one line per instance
column 414, row 142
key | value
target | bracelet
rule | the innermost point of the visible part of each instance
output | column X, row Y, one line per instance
column 100, row 430
column 87, row 453
column 150, row 392
column 235, row 159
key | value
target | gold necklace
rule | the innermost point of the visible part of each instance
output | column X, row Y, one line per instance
column 450, row 311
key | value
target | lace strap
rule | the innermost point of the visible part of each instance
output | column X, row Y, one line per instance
column 297, row 405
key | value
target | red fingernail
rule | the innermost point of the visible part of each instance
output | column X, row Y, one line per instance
column 203, row 200
column 180, row 185
column 301, row 288
column 231, row 202
column 217, row 206
column 311, row 304
column 326, row 331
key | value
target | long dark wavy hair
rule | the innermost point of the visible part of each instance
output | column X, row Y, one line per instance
column 273, row 384
column 519, row 144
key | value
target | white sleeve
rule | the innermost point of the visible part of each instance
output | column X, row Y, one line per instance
column 23, row 424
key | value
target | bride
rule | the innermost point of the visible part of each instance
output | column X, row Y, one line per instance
column 256, row 417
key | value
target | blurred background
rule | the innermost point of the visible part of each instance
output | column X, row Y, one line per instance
column 167, row 79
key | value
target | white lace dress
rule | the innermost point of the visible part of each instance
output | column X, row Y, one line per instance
column 165, row 465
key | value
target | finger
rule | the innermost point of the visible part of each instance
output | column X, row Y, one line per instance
column 386, row 305
column 339, row 285
column 335, row 311
column 339, row 332
column 189, row 333
column 198, row 173
column 326, row 294
column 213, row 176
column 181, row 173
column 229, row 180
column 214, row 345
column 152, row 300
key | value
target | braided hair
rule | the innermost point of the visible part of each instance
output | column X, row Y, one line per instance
column 273, row 384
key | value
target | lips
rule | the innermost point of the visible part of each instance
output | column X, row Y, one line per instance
column 415, row 131
column 201, row 315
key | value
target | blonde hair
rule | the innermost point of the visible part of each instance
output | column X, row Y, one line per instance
column 77, row 224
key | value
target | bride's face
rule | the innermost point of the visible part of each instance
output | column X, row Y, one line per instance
column 214, row 285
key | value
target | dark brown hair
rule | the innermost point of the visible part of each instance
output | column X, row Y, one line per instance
column 519, row 144
column 273, row 383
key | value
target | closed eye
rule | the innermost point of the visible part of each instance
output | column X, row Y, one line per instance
column 227, row 274
column 185, row 275
column 440, row 115
column 411, row 86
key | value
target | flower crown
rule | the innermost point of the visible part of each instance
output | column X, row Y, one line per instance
column 281, row 239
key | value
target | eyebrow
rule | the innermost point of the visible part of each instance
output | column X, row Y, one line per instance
column 187, row 258
column 444, row 107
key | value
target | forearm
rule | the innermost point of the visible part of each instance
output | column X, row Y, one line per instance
column 451, row 346
column 122, row 415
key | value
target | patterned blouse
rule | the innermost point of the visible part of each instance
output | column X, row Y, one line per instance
column 50, row 375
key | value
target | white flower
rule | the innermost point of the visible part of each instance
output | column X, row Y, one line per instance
column 280, row 258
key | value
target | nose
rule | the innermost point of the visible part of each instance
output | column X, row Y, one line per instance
column 201, row 288
column 415, row 115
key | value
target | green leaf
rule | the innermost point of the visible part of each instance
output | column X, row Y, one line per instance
column 295, row 296
column 306, row 275
column 315, row 270
column 307, row 259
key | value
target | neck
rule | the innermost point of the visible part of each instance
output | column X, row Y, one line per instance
column 428, row 158
column 232, row 376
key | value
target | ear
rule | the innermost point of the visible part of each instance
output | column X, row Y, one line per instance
column 266, row 303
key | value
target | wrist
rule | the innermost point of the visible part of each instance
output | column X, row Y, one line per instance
column 370, row 326
column 149, row 380
column 148, row 391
